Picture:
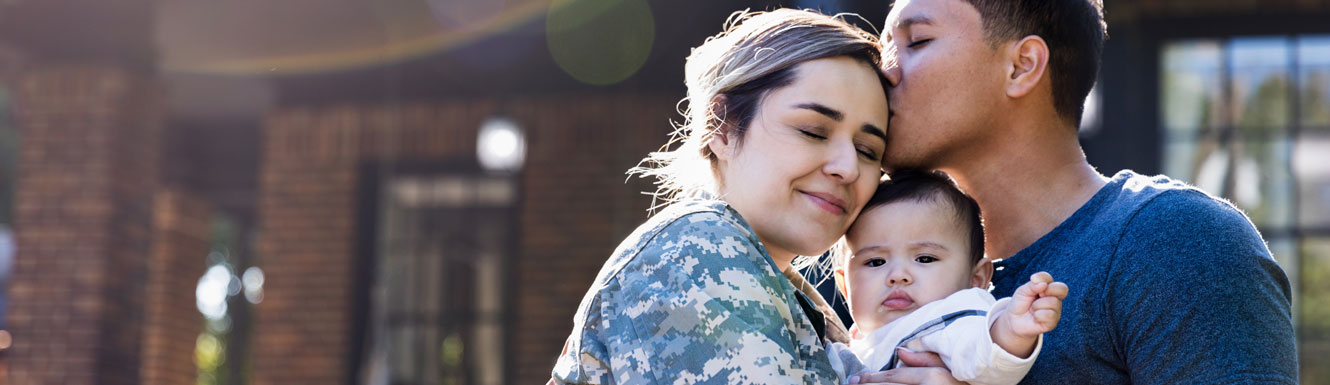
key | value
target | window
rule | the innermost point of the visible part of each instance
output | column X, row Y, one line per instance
column 1248, row 118
column 437, row 295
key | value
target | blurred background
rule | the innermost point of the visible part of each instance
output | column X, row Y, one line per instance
column 420, row 191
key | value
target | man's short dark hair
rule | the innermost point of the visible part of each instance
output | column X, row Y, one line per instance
column 933, row 186
column 1074, row 31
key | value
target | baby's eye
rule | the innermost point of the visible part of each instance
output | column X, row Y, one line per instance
column 925, row 259
column 875, row 262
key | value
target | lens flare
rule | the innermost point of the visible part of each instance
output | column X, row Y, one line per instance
column 600, row 42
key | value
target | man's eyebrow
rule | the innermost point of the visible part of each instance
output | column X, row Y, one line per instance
column 904, row 24
column 913, row 20
column 821, row 109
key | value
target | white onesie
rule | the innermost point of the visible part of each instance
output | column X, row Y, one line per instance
column 956, row 328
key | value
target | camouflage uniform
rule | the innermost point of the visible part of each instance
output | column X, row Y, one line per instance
column 692, row 297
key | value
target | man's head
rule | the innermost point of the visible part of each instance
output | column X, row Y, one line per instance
column 958, row 66
column 918, row 240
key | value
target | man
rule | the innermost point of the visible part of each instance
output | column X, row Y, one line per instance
column 1168, row 285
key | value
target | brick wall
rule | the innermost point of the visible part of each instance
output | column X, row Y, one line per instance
column 88, row 168
column 575, row 208
column 172, row 322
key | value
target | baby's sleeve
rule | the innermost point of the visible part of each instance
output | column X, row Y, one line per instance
column 967, row 347
column 843, row 361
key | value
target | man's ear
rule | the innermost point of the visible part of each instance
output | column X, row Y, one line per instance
column 982, row 274
column 1028, row 65
column 720, row 143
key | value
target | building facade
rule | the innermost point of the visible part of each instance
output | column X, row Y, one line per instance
column 391, row 253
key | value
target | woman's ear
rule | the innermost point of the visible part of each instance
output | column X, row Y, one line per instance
column 839, row 277
column 720, row 142
column 1028, row 65
column 982, row 274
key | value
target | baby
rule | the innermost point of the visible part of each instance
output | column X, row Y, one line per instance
column 913, row 269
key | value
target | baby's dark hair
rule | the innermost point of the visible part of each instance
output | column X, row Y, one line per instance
column 933, row 186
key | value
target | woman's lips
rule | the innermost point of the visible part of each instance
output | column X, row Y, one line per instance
column 828, row 202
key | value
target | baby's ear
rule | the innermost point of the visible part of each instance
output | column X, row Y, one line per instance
column 982, row 274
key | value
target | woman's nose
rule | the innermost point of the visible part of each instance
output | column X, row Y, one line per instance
column 843, row 164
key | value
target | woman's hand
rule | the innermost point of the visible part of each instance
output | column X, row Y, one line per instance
column 925, row 368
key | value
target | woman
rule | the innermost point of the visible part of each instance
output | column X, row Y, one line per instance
column 781, row 148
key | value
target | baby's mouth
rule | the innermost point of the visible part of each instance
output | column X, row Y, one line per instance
column 898, row 300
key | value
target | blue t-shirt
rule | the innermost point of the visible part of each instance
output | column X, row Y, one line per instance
column 1168, row 286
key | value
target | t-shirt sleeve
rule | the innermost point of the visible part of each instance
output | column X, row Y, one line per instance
column 700, row 308
column 1196, row 298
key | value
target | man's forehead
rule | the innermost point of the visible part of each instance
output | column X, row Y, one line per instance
column 908, row 13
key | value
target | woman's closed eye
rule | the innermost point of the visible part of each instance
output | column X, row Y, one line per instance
column 868, row 153
column 925, row 259
column 812, row 134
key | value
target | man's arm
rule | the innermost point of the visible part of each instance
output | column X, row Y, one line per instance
column 1194, row 297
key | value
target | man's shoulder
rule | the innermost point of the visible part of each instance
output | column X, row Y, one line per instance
column 1179, row 221
column 1158, row 200
column 1165, row 202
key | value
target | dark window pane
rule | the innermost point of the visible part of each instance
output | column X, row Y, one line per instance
column 1313, row 309
column 1262, row 184
column 1314, row 80
column 1253, row 174
column 1259, row 69
column 1192, row 87
column 1313, row 172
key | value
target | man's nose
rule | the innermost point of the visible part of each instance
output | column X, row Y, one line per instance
column 891, row 68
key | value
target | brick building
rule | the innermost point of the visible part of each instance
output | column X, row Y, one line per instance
column 343, row 157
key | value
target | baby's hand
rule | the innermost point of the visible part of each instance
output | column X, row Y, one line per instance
column 1036, row 306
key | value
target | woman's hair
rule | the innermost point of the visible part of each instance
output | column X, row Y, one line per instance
column 727, row 78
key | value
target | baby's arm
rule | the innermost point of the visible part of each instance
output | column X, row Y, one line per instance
column 1035, row 309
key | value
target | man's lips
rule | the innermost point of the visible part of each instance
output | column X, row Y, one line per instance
column 828, row 202
column 898, row 300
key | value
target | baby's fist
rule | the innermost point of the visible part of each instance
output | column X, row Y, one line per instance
column 1036, row 307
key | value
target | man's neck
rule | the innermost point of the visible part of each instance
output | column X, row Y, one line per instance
column 1027, row 183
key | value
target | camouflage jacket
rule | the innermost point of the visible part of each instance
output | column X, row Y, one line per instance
column 692, row 297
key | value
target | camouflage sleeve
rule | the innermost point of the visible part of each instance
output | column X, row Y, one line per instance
column 703, row 305
column 584, row 359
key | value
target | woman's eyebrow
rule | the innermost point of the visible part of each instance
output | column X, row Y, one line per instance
column 874, row 131
column 840, row 116
column 822, row 109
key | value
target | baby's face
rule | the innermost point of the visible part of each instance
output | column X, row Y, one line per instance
column 906, row 254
